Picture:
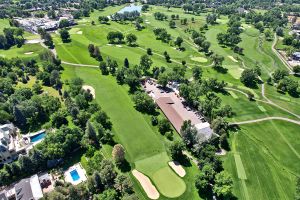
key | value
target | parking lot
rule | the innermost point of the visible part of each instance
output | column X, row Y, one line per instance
column 172, row 104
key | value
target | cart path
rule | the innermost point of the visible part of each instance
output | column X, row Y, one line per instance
column 268, row 102
column 286, row 64
column 265, row 119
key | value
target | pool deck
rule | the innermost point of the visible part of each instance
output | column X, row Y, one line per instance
column 35, row 133
column 81, row 172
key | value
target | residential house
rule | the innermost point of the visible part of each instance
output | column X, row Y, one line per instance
column 3, row 195
column 29, row 189
column 7, row 146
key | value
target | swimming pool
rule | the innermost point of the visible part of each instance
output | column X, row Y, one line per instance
column 37, row 137
column 74, row 174
column 131, row 8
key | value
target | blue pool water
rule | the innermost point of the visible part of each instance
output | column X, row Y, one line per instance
column 37, row 137
column 74, row 174
column 131, row 8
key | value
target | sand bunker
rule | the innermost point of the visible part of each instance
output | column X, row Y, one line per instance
column 118, row 45
column 89, row 88
column 147, row 22
column 35, row 41
column 233, row 59
column 29, row 53
column 177, row 168
column 148, row 187
column 79, row 32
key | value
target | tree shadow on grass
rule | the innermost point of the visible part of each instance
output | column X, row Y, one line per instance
column 184, row 161
column 220, row 69
column 124, row 166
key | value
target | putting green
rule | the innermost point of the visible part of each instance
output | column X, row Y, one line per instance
column 199, row 59
column 74, row 30
column 164, row 178
column 168, row 183
column 235, row 71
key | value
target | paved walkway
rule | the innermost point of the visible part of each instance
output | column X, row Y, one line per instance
column 286, row 64
column 266, row 119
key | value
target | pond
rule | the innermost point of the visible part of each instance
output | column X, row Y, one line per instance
column 131, row 8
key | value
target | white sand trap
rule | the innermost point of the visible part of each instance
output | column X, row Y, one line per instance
column 118, row 45
column 233, row 59
column 35, row 41
column 177, row 168
column 79, row 32
column 148, row 187
column 147, row 22
column 29, row 53
column 109, row 44
column 89, row 88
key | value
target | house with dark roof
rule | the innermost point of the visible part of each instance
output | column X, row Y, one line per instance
column 28, row 189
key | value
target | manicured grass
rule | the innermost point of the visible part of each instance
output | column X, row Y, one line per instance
column 199, row 59
column 284, row 100
column 171, row 189
column 248, row 110
column 262, row 108
column 4, row 23
column 239, row 167
column 144, row 149
column 274, row 150
column 21, row 52
column 134, row 133
column 156, row 167
column 46, row 90
column 270, row 155
column 233, row 94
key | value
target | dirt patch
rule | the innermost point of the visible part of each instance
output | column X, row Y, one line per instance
column 90, row 89
column 233, row 59
column 148, row 187
column 29, row 53
column 177, row 168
